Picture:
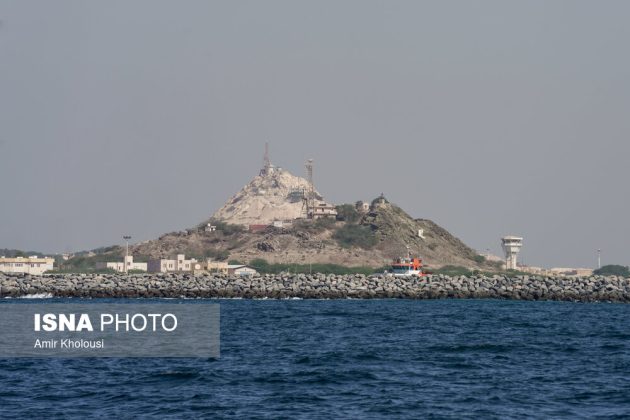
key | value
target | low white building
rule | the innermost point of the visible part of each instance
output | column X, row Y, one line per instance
column 241, row 270
column 322, row 210
column 29, row 265
column 180, row 263
column 123, row 267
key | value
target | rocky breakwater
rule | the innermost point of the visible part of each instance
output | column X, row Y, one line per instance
column 317, row 286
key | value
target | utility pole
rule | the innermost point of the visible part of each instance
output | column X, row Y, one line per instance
column 126, row 238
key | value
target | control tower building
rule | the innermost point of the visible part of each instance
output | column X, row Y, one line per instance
column 511, row 246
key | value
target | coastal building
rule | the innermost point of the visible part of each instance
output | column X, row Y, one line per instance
column 29, row 265
column 532, row 269
column 566, row 271
column 218, row 267
column 241, row 270
column 511, row 246
column 557, row 271
column 123, row 267
column 209, row 266
column 180, row 263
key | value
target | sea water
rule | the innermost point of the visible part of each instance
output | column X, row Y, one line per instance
column 356, row 359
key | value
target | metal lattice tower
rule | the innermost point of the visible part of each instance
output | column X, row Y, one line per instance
column 266, row 162
column 310, row 197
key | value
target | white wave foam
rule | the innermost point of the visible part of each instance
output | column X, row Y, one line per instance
column 37, row 296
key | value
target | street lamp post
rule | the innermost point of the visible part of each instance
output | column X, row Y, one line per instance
column 126, row 238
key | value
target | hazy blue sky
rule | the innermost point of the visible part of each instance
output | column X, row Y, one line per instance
column 488, row 117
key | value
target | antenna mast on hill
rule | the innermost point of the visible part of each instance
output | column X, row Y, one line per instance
column 266, row 161
column 310, row 197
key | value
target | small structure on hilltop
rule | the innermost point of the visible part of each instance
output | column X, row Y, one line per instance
column 511, row 246
column 362, row 206
column 378, row 202
column 323, row 210
column 268, row 168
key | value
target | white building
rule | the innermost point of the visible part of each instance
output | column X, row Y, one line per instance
column 322, row 210
column 511, row 246
column 180, row 263
column 29, row 265
column 241, row 270
column 123, row 267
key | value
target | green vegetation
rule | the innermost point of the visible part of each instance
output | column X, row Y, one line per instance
column 100, row 250
column 85, row 264
column 12, row 253
column 355, row 235
column 347, row 213
column 457, row 270
column 497, row 264
column 235, row 262
column 479, row 259
column 613, row 270
column 264, row 267
column 453, row 270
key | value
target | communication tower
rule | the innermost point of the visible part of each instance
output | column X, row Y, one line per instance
column 266, row 169
column 310, row 193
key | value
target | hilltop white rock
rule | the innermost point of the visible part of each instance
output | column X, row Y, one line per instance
column 272, row 195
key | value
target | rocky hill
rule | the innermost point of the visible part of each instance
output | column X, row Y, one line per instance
column 275, row 194
column 366, row 237
column 369, row 239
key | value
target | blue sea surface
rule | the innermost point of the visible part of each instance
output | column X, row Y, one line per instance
column 356, row 359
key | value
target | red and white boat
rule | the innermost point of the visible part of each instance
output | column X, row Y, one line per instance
column 406, row 267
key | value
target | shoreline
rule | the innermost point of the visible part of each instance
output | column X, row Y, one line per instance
column 317, row 286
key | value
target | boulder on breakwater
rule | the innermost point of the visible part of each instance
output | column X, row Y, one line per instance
column 317, row 286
